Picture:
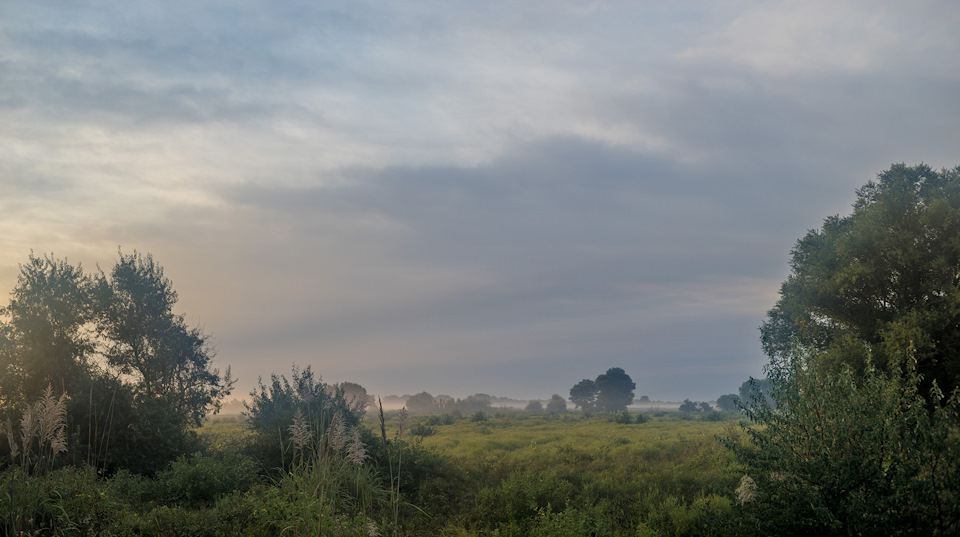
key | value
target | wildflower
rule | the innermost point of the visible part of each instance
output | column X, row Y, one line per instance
column 299, row 430
column 747, row 491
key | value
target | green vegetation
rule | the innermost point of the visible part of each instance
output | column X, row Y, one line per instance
column 510, row 474
column 852, row 433
column 881, row 285
column 610, row 392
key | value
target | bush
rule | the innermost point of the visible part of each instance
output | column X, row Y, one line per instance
column 852, row 455
column 202, row 479
column 272, row 408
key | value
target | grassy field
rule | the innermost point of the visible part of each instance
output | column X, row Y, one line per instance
column 502, row 474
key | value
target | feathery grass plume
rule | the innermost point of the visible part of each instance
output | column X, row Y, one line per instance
column 299, row 431
column 747, row 491
column 372, row 530
column 7, row 429
column 338, row 433
column 356, row 451
column 44, row 422
column 52, row 422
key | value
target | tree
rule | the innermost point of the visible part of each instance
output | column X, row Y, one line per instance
column 882, row 283
column 138, row 377
column 728, row 402
column 688, row 406
column 355, row 393
column 584, row 395
column 556, row 405
column 753, row 390
column 166, row 359
column 422, row 403
column 45, row 337
column 614, row 390
column 534, row 407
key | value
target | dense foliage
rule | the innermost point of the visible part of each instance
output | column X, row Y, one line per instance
column 851, row 454
column 137, row 376
column 610, row 392
column 882, row 283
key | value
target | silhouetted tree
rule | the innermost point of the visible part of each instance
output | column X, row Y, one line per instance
column 150, row 344
column 136, row 373
column 422, row 403
column 728, row 402
column 614, row 390
column 584, row 395
column 688, row 406
column 556, row 405
column 535, row 407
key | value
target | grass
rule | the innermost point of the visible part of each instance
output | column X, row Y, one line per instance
column 511, row 474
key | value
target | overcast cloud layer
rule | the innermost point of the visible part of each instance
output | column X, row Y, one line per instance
column 498, row 197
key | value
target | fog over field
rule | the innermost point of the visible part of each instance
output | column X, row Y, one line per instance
column 496, row 197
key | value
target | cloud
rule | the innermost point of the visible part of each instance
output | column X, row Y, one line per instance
column 447, row 196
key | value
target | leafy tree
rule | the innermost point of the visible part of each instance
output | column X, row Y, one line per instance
column 355, row 393
column 137, row 376
column 847, row 453
column 753, row 390
column 556, row 405
column 704, row 407
column 535, row 407
column 145, row 340
column 422, row 403
column 688, row 406
column 614, row 390
column 44, row 334
column 584, row 395
column 728, row 402
column 478, row 402
column 882, row 283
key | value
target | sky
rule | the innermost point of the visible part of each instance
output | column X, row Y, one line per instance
column 461, row 197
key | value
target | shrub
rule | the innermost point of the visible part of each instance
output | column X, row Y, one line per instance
column 848, row 454
column 272, row 408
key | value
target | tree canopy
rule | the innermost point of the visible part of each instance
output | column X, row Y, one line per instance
column 136, row 373
column 882, row 283
column 611, row 391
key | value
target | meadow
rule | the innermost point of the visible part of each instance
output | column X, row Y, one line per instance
column 504, row 473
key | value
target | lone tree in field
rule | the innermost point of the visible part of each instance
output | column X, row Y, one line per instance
column 883, row 282
column 556, row 405
column 615, row 390
column 610, row 392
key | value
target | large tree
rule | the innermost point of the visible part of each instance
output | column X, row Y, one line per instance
column 147, row 341
column 137, row 375
column 614, row 390
column 45, row 336
column 584, row 395
column 882, row 283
